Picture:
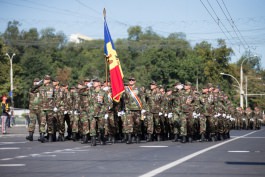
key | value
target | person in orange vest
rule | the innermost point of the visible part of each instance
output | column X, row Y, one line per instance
column 4, row 112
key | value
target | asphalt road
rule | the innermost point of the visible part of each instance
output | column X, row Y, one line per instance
column 242, row 155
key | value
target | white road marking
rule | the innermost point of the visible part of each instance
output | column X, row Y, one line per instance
column 188, row 157
column 249, row 137
column 153, row 146
column 7, row 159
column 239, row 151
column 4, row 143
column 7, row 148
column 12, row 165
column 20, row 157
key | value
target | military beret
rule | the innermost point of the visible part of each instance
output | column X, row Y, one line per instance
column 64, row 84
column 153, row 83
column 177, row 82
column 96, row 80
column 87, row 80
column 210, row 85
column 187, row 83
column 36, row 80
column 55, row 80
column 131, row 78
column 80, row 82
column 47, row 77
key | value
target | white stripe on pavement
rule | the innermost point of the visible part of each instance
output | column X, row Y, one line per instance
column 238, row 151
column 153, row 146
column 7, row 148
column 188, row 157
column 12, row 165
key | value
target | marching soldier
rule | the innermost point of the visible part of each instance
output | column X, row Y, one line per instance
column 46, row 93
column 34, row 107
column 134, row 105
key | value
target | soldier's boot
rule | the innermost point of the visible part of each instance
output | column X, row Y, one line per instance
column 124, row 139
column 39, row 137
column 202, row 138
column 228, row 135
column 158, row 137
column 74, row 136
column 85, row 139
column 59, row 137
column 213, row 138
column 129, row 140
column 175, row 139
column 184, row 139
column 93, row 141
column 62, row 137
column 42, row 139
column 138, row 139
column 112, row 139
column 50, row 137
column 149, row 137
column 190, row 139
column 30, row 137
column 220, row 136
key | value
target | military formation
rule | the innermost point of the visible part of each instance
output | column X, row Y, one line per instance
column 179, row 113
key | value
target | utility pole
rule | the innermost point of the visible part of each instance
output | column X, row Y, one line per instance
column 11, row 79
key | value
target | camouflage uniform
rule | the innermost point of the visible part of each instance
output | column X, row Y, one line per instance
column 154, row 111
column 248, row 118
column 132, row 118
column 46, row 93
column 239, row 118
column 257, row 118
column 74, row 112
column 83, row 110
column 97, row 112
column 34, row 108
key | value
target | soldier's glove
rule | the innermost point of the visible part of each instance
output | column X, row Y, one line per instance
column 224, row 115
column 170, row 115
column 160, row 113
column 65, row 112
column 106, row 88
column 121, row 113
column 198, row 115
column 55, row 109
column 194, row 115
column 90, row 84
column 143, row 111
column 106, row 116
column 76, row 112
column 165, row 114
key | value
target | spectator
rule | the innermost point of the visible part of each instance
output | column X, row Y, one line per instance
column 4, row 112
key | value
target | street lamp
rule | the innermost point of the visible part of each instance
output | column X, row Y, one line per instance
column 240, row 89
column 11, row 77
column 241, row 80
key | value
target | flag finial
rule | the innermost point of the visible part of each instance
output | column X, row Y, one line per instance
column 104, row 13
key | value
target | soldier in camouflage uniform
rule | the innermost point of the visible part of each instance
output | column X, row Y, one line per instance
column 74, row 115
column 110, row 119
column 248, row 117
column 97, row 113
column 67, row 110
column 210, row 114
column 133, row 106
column 57, row 110
column 83, row 110
column 46, row 94
column 34, row 108
column 239, row 118
column 154, row 110
column 257, row 118
column 176, row 109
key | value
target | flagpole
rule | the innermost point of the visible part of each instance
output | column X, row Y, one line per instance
column 106, row 59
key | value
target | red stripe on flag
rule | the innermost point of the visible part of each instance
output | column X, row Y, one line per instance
column 116, row 82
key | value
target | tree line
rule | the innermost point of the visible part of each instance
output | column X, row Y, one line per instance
column 144, row 54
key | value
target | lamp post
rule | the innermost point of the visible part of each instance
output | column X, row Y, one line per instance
column 11, row 78
column 240, row 89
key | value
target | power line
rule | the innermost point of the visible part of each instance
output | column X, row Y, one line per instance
column 231, row 25
column 234, row 24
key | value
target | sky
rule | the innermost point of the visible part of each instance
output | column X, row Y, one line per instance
column 240, row 22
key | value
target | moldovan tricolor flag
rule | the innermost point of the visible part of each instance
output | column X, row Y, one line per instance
column 116, row 75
